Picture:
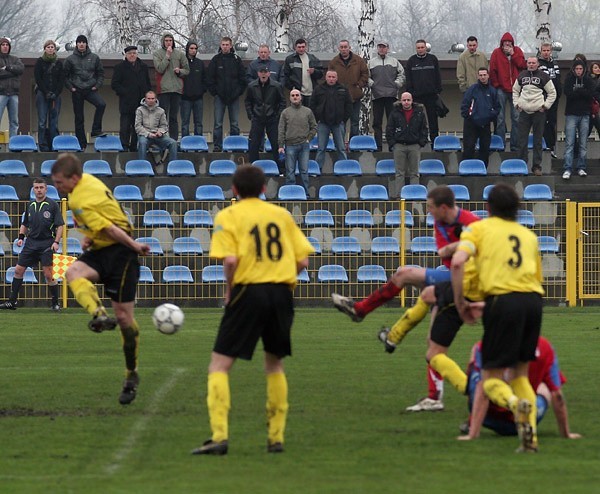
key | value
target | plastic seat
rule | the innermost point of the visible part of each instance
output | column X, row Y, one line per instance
column 221, row 168
column 269, row 167
column 187, row 246
column 497, row 143
column 347, row 168
column 548, row 244
column 267, row 145
column 5, row 220
column 213, row 274
column 168, row 193
column 177, row 274
column 16, row 249
column 413, row 192
column 318, row 217
column 385, row 167
column 235, row 144
column 432, row 167
column 198, row 218
column 66, row 144
column 537, row 192
column 385, row 245
column 358, row 217
column 127, row 193
column 472, row 168
column 332, row 192
column 108, row 143
column 146, row 275
column 196, row 144
column 525, row 218
column 461, row 192
column 13, row 168
column 46, row 168
column 181, row 168
column 157, row 217
column 28, row 277
column 314, row 144
column 316, row 244
column 313, row 169
column 345, row 245
column 446, row 143
column 373, row 192
column 481, row 213
column 362, row 143
column 155, row 247
column 423, row 245
column 291, row 193
column 393, row 219
column 513, row 167
column 73, row 247
column 139, row 168
column 209, row 193
column 429, row 221
column 303, row 276
column 19, row 143
column 98, row 168
column 332, row 273
column 371, row 273
column 530, row 142
column 51, row 192
column 486, row 191
column 8, row 193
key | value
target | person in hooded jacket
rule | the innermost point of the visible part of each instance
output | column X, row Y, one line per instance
column 11, row 69
column 194, row 87
column 152, row 127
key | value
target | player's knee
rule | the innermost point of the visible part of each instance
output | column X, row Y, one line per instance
column 19, row 271
column 428, row 295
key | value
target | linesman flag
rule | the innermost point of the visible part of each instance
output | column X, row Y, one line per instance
column 60, row 263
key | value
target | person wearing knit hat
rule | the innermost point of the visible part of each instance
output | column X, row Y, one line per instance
column 84, row 75
column 11, row 69
column 49, row 82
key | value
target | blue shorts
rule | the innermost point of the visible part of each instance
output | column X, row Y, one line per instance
column 435, row 276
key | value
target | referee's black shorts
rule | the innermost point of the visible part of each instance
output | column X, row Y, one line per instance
column 511, row 324
column 256, row 311
column 447, row 322
column 34, row 252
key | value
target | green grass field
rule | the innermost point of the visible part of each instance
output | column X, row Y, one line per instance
column 62, row 429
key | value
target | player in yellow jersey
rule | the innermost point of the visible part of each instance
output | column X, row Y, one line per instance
column 110, row 257
column 510, row 277
column 263, row 250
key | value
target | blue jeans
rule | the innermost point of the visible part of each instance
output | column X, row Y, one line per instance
column 233, row 108
column 576, row 125
column 12, row 102
column 299, row 153
column 323, row 131
column 48, row 111
column 164, row 142
column 187, row 108
column 505, row 99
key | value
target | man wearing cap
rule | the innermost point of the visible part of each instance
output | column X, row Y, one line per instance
column 386, row 77
column 130, row 81
column 11, row 69
column 84, row 76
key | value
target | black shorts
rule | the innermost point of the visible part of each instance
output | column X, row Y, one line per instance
column 35, row 252
column 119, row 270
column 447, row 322
column 257, row 311
column 511, row 328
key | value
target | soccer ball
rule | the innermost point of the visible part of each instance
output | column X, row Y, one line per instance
column 168, row 318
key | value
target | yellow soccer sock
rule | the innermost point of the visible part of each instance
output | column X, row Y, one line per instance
column 523, row 389
column 130, row 338
column 277, row 406
column 218, row 401
column 86, row 294
column 409, row 320
column 450, row 371
column 500, row 393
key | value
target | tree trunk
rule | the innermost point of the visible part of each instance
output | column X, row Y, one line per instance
column 282, row 32
column 366, row 42
column 124, row 24
column 542, row 21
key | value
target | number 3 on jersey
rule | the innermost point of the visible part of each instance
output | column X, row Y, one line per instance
column 517, row 259
column 270, row 239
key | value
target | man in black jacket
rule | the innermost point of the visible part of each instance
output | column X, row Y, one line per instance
column 406, row 133
column 264, row 103
column 131, row 82
column 302, row 71
column 194, row 87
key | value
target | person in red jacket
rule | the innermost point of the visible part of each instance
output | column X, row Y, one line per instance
column 505, row 64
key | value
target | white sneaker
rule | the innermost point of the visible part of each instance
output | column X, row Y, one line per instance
column 582, row 173
column 426, row 405
column 567, row 175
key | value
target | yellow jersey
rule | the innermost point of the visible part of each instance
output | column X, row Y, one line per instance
column 506, row 256
column 471, row 287
column 265, row 240
column 94, row 209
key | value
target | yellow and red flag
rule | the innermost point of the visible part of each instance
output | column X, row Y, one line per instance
column 60, row 263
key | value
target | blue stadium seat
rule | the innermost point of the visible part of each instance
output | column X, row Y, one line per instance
column 316, row 244
column 267, row 146
column 28, row 277
column 16, row 249
column 157, row 217
column 221, row 168
column 127, row 193
column 525, row 218
column 318, row 217
column 472, row 168
column 5, row 220
column 332, row 273
column 461, row 192
column 139, row 168
column 181, row 168
column 392, row 219
column 385, row 245
column 107, row 143
column 371, row 273
column 154, row 244
column 486, row 191
column 198, row 218
column 1, row 251
column 347, row 168
column 373, row 192
column 548, row 244
column 46, row 168
column 8, row 193
column 269, row 167
column 358, row 217
column 513, row 167
column 530, row 142
column 66, row 144
column 314, row 144
column 51, row 192
column 187, row 246
column 332, row 192
column 481, row 213
column 385, row 167
column 423, row 245
column 13, row 168
column 146, row 275
column 429, row 221
column 23, row 142
column 209, row 193
column 194, row 144
column 446, row 143
column 303, row 276
column 537, row 192
column 73, row 247
column 213, row 274
column 291, row 192
column 442, row 267
column 177, row 274
column 168, row 192
column 235, row 144
column 362, row 143
column 497, row 143
column 413, row 192
column 313, row 169
column 432, row 167
column 345, row 245
column 98, row 168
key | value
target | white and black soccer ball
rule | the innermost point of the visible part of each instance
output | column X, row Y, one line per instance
column 168, row 318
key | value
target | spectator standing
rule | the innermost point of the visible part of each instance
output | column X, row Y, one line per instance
column 152, row 127
column 595, row 114
column 302, row 70
column 264, row 60
column 469, row 63
column 550, row 66
column 194, row 87
column 11, row 69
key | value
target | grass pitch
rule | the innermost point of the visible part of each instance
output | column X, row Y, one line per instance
column 62, row 429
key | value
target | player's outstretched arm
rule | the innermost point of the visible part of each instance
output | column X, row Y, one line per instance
column 119, row 235
column 559, row 406
column 478, row 412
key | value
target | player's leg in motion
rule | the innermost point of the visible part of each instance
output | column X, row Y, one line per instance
column 277, row 402
column 130, row 338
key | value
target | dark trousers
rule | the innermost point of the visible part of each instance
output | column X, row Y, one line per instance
column 381, row 105
column 526, row 122
column 471, row 133
column 79, row 97
column 550, row 125
column 257, row 134
column 127, row 132
column 428, row 101
column 169, row 102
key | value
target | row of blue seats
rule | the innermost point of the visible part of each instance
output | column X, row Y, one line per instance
column 452, row 143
